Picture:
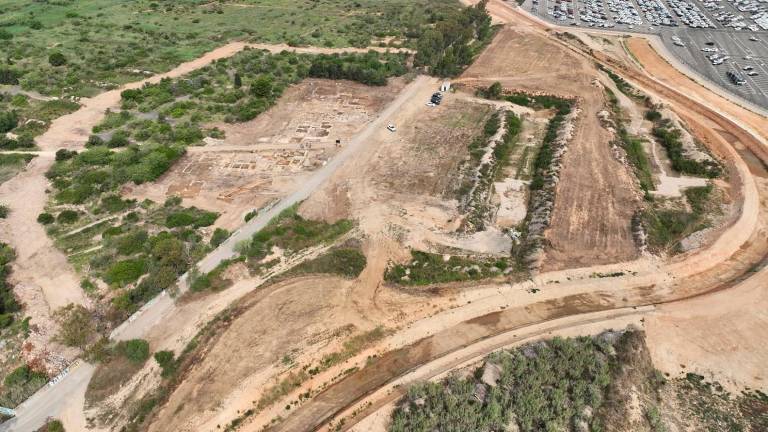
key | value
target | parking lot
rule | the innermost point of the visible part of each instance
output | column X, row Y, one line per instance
column 712, row 37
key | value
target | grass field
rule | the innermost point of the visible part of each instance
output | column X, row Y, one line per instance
column 104, row 43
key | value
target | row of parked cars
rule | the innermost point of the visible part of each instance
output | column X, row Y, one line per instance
column 690, row 14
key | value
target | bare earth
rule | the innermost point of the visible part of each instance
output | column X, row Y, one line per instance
column 595, row 197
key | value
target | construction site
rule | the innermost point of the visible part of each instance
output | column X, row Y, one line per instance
column 386, row 245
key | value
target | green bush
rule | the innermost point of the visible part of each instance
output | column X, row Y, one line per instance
column 57, row 59
column 135, row 350
column 21, row 383
column 4, row 211
column 220, row 235
column 348, row 262
column 45, row 218
column 67, row 217
column 167, row 363
column 670, row 140
column 126, row 271
column 190, row 217
column 8, row 121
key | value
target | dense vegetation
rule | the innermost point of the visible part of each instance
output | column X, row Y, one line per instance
column 99, row 170
column 343, row 261
column 667, row 226
column 21, row 384
column 235, row 89
column 100, row 44
column 544, row 386
column 669, row 137
column 543, row 160
column 8, row 304
column 428, row 268
column 633, row 146
column 27, row 117
column 290, row 232
column 453, row 42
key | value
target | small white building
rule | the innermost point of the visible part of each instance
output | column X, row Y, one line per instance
column 445, row 87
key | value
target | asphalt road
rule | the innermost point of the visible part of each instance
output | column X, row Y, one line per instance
column 50, row 400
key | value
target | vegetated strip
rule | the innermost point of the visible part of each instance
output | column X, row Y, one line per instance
column 489, row 153
column 528, row 251
column 632, row 146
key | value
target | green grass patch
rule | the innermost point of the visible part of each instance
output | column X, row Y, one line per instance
column 633, row 146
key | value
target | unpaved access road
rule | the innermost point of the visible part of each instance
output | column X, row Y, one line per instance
column 49, row 402
column 676, row 282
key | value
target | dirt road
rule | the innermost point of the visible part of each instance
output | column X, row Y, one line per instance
column 743, row 245
column 154, row 312
column 158, row 310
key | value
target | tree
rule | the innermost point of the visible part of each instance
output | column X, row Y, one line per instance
column 8, row 121
column 57, row 59
column 45, row 218
column 238, row 81
column 8, row 75
column 219, row 236
column 135, row 350
column 494, row 91
column 64, row 154
column 262, row 86
column 76, row 327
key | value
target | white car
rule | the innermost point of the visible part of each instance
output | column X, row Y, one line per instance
column 391, row 127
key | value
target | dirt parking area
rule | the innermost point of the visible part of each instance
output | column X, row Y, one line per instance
column 263, row 159
column 596, row 196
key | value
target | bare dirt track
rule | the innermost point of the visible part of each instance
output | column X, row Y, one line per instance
column 596, row 196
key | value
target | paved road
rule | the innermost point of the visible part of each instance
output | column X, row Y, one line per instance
column 50, row 400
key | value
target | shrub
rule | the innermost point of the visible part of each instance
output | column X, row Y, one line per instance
column 21, row 383
column 118, row 139
column 67, row 216
column 494, row 91
column 220, row 235
column 94, row 140
column 126, row 271
column 64, row 154
column 76, row 326
column 45, row 218
column 8, row 121
column 57, row 59
column 135, row 350
column 53, row 426
column 4, row 210
column 113, row 203
column 166, row 361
